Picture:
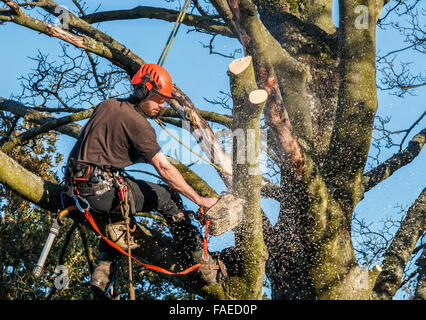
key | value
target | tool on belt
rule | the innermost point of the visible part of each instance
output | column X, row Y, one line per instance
column 82, row 172
column 57, row 222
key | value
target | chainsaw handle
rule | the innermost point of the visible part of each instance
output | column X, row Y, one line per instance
column 201, row 211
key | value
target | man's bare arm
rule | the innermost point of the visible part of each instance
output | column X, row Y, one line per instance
column 174, row 178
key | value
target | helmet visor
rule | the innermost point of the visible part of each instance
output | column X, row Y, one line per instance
column 166, row 97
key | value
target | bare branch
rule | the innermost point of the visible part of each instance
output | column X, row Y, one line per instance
column 207, row 115
column 397, row 161
column 400, row 250
column 15, row 107
column 49, row 125
column 91, row 39
column 399, row 81
column 205, row 23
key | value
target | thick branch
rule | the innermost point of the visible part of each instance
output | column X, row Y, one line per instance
column 400, row 250
column 205, row 23
column 31, row 115
column 49, row 125
column 207, row 115
column 268, row 58
column 30, row 186
column 194, row 180
column 420, row 293
column 225, row 13
column 397, row 161
column 380, row 5
column 203, row 134
column 357, row 104
column 248, row 107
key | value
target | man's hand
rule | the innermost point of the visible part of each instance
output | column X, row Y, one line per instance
column 207, row 202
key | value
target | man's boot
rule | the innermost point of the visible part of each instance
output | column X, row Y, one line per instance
column 190, row 242
column 212, row 270
column 103, row 272
column 101, row 278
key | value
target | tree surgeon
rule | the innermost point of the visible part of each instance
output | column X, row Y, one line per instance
column 117, row 135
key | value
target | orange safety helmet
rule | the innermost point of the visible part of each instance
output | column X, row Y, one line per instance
column 154, row 78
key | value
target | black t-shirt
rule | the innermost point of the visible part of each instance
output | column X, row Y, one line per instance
column 115, row 137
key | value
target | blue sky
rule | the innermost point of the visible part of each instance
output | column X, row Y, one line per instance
column 201, row 75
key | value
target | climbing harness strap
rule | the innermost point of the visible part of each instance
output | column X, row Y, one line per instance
column 83, row 206
column 125, row 210
column 85, row 179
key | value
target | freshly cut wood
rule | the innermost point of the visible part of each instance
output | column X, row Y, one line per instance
column 258, row 96
column 239, row 65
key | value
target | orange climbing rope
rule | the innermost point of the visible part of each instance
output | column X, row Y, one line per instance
column 92, row 222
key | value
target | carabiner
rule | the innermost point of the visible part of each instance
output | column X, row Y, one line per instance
column 78, row 204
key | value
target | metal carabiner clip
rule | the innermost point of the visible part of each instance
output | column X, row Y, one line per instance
column 78, row 204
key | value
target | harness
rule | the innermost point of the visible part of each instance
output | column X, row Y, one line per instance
column 83, row 180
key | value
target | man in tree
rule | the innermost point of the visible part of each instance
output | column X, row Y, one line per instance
column 117, row 135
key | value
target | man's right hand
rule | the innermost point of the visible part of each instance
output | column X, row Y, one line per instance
column 174, row 178
column 207, row 202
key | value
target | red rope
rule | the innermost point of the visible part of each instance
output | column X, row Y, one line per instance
column 152, row 267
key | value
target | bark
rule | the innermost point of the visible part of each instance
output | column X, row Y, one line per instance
column 247, row 180
column 312, row 41
column 194, row 180
column 356, row 108
column 420, row 293
column 282, row 112
column 31, row 187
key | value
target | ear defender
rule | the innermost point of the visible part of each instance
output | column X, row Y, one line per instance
column 140, row 92
column 155, row 78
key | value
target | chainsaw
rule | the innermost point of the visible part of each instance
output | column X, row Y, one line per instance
column 224, row 215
